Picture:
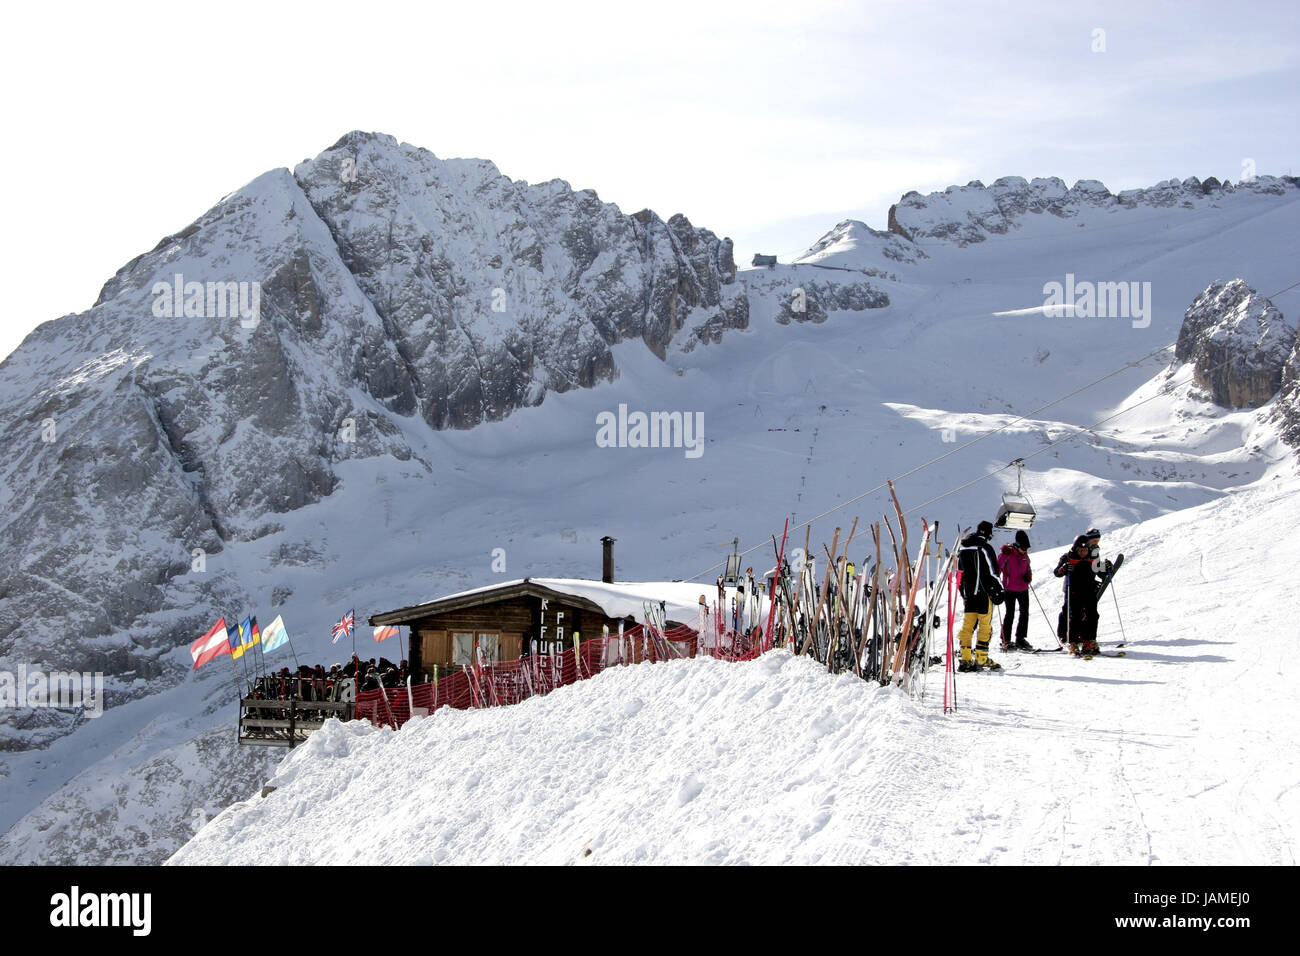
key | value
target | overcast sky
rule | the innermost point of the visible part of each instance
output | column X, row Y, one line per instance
column 765, row 122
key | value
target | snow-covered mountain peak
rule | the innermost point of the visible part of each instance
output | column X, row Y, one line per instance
column 852, row 244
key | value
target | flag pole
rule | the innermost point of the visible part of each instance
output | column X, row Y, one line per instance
column 261, row 653
column 241, row 647
column 239, row 695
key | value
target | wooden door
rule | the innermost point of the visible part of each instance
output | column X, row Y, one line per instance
column 435, row 649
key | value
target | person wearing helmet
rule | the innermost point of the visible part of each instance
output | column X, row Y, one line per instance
column 1013, row 563
column 1077, row 624
column 980, row 590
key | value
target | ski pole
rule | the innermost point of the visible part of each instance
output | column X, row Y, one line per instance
column 1122, row 632
column 1051, row 630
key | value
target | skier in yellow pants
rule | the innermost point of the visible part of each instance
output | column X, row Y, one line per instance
column 980, row 590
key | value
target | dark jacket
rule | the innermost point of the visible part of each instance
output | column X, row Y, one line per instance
column 1080, row 586
column 979, row 574
column 1063, row 564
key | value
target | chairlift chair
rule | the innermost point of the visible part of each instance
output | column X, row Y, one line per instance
column 1017, row 511
column 731, row 576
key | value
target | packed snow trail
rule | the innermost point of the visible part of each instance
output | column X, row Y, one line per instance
column 1180, row 753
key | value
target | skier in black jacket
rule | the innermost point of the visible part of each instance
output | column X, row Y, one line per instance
column 980, row 590
column 1077, row 624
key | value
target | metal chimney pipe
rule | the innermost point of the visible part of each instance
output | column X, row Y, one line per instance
column 607, row 560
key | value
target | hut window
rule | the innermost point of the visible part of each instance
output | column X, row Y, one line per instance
column 462, row 648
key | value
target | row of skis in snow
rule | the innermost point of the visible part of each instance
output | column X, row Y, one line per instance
column 874, row 622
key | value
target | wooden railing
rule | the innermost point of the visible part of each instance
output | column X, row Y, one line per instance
column 286, row 723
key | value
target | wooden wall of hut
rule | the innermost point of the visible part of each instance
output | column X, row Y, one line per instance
column 503, row 628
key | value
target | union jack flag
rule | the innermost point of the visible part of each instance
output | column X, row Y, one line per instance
column 344, row 627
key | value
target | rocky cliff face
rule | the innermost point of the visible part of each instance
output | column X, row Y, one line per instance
column 1238, row 343
column 146, row 812
column 494, row 292
column 974, row 212
column 1287, row 411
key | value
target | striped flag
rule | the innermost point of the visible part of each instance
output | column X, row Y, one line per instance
column 385, row 632
column 274, row 635
column 344, row 627
column 248, row 636
column 210, row 645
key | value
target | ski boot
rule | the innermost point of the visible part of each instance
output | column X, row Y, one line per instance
column 1076, row 649
column 982, row 660
column 967, row 667
column 1091, row 649
column 1023, row 645
column 1007, row 647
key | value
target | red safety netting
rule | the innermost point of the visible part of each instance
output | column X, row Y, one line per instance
column 509, row 682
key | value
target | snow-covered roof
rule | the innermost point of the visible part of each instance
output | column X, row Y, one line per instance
column 621, row 599
column 681, row 599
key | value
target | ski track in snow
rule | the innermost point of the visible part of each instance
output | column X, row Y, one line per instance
column 1179, row 753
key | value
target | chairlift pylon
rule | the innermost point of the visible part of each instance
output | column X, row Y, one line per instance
column 1017, row 511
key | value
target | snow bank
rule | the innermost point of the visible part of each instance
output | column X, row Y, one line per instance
column 687, row 761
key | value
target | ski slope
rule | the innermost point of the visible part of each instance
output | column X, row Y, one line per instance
column 1180, row 753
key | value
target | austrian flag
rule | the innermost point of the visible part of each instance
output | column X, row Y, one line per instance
column 210, row 645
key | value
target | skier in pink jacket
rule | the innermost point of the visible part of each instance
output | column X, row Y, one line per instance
column 1013, row 563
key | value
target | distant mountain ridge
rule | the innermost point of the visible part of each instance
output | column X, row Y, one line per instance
column 974, row 212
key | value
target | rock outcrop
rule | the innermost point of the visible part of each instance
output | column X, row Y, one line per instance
column 1238, row 343
column 1287, row 411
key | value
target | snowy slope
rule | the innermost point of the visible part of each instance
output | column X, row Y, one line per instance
column 1181, row 753
column 802, row 411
